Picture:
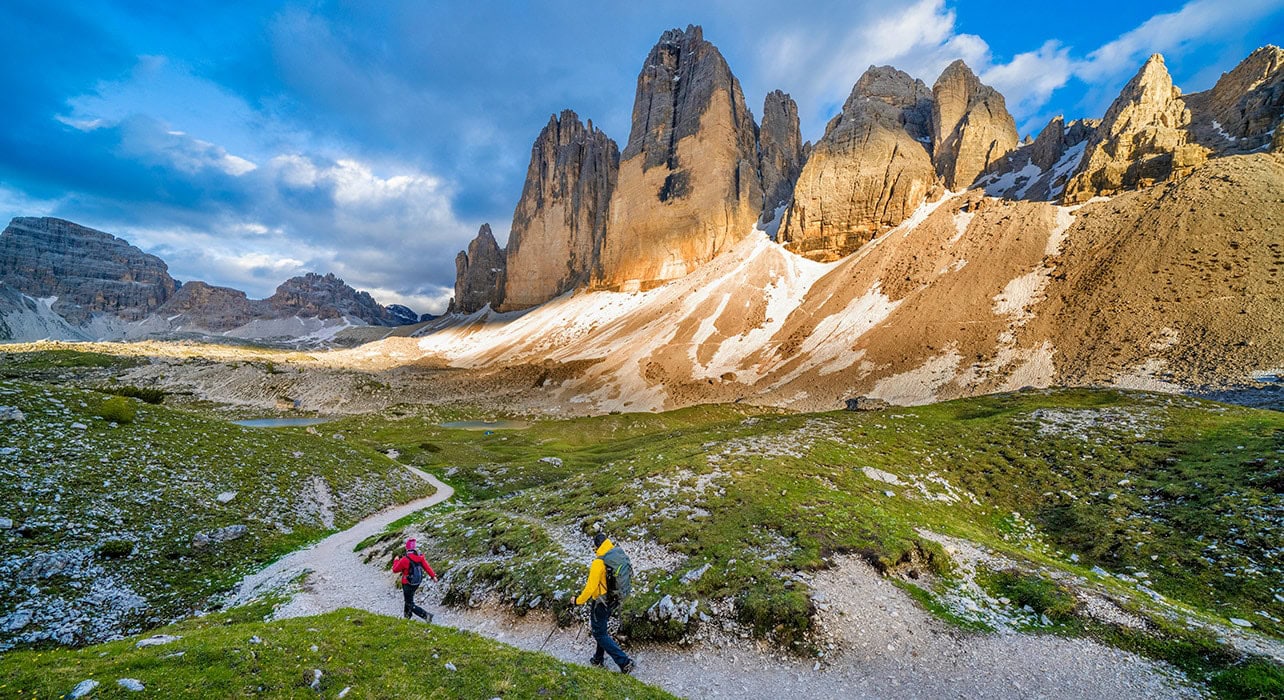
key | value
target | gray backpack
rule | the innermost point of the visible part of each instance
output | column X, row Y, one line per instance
column 619, row 573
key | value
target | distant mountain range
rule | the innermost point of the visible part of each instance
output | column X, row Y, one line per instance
column 60, row 280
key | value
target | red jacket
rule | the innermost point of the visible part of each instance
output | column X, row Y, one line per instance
column 402, row 566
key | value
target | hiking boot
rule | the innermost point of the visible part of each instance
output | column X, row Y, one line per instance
column 628, row 667
column 596, row 662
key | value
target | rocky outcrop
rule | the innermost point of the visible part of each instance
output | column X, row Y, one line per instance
column 1240, row 113
column 88, row 271
column 479, row 274
column 971, row 127
column 869, row 172
column 688, row 185
column 556, row 240
column 328, row 297
column 781, row 151
column 1039, row 170
column 209, row 307
column 1142, row 140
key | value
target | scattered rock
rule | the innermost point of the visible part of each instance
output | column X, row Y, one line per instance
column 157, row 640
column 131, row 684
column 1240, row 623
column 670, row 609
column 225, row 497
column 83, row 689
column 11, row 414
column 450, row 667
column 15, row 621
column 344, row 693
column 79, row 426
column 316, row 679
column 256, row 640
column 555, row 461
column 694, row 575
column 223, row 534
column 6, row 523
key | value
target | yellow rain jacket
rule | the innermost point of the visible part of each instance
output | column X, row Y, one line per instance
column 595, row 587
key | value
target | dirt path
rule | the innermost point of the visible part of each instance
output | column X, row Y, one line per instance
column 336, row 577
column 886, row 645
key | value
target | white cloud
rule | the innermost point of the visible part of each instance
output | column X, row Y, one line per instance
column 1030, row 78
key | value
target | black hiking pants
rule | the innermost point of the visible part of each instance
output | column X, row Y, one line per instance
column 408, row 592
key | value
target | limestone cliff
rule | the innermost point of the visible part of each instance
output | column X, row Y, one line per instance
column 781, row 152
column 1240, row 113
column 88, row 271
column 556, row 240
column 1142, row 140
column 869, row 172
column 688, row 185
column 971, row 127
column 479, row 274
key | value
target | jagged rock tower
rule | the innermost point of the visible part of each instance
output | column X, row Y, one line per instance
column 871, row 169
column 688, row 184
column 555, row 243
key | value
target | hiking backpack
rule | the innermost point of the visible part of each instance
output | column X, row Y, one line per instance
column 415, row 575
column 619, row 573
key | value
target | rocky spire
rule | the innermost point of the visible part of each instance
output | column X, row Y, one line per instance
column 971, row 127
column 88, row 271
column 1239, row 113
column 1142, row 140
column 781, row 154
column 479, row 274
column 869, row 172
column 560, row 221
column 688, row 184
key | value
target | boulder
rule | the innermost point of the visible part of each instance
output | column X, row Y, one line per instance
column 869, row 172
column 157, row 640
column 131, row 684
column 556, row 240
column 688, row 186
column 479, row 274
column 10, row 414
column 781, row 153
column 83, row 689
column 223, row 534
column 865, row 403
column 971, row 127
column 1142, row 140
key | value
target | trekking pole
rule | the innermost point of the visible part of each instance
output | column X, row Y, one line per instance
column 550, row 635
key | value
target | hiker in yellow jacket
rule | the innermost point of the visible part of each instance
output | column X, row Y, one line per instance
column 602, row 603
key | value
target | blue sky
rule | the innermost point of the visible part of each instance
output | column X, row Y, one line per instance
column 249, row 142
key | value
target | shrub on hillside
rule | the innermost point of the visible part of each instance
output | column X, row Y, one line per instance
column 117, row 409
column 148, row 394
column 115, row 549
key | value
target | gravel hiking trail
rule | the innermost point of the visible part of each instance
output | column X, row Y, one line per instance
column 885, row 644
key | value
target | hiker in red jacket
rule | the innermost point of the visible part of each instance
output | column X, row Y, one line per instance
column 412, row 568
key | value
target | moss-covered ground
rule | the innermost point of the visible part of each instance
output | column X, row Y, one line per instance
column 234, row 655
column 107, row 500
